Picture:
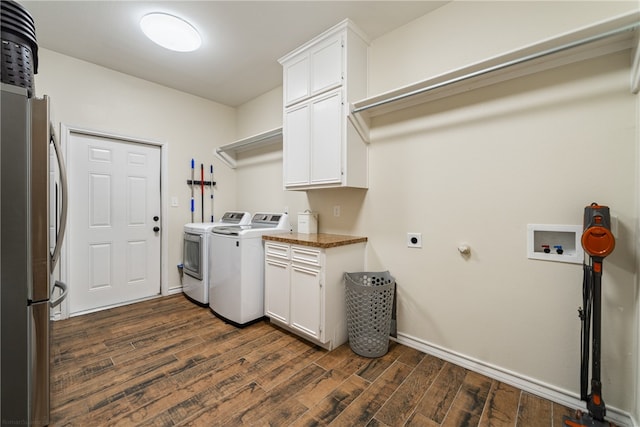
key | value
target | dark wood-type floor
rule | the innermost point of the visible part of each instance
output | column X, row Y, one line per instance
column 167, row 362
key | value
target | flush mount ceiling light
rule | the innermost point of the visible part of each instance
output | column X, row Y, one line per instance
column 170, row 32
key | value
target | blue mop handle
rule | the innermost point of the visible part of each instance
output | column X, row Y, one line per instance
column 193, row 206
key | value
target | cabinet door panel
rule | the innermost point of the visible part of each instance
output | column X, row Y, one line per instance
column 296, row 146
column 306, row 301
column 296, row 80
column 276, row 290
column 326, row 139
column 326, row 66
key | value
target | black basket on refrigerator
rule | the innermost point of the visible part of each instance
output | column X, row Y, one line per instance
column 19, row 56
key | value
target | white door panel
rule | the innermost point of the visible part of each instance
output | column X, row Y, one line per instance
column 326, row 60
column 276, row 292
column 296, row 76
column 326, row 139
column 306, row 301
column 296, row 154
column 114, row 193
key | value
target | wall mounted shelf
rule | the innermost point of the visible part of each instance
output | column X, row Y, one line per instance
column 227, row 153
column 614, row 35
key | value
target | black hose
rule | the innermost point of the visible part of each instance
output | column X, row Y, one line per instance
column 587, row 299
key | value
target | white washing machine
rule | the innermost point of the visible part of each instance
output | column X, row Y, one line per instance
column 236, row 289
column 195, row 255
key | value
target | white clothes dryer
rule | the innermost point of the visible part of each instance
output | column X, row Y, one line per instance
column 195, row 255
column 237, row 257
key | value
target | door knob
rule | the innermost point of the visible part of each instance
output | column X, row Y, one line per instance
column 156, row 228
column 156, row 218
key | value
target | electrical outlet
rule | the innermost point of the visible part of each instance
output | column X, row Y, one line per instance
column 336, row 210
column 414, row 240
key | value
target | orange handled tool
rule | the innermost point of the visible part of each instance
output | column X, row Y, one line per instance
column 598, row 242
column 597, row 238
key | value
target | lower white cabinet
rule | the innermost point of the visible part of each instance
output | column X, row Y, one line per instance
column 305, row 291
column 306, row 300
column 276, row 273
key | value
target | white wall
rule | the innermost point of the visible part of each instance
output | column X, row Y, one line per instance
column 260, row 114
column 479, row 167
column 92, row 97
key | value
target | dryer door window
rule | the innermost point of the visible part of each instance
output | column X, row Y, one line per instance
column 192, row 255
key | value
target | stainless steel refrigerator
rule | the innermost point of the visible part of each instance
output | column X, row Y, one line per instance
column 26, row 258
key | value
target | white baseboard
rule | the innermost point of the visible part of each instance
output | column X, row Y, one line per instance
column 173, row 291
column 533, row 386
column 107, row 307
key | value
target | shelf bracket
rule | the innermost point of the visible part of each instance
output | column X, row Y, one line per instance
column 360, row 123
column 226, row 159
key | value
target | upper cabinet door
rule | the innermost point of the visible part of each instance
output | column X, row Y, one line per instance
column 326, row 65
column 325, row 156
column 296, row 79
column 296, row 142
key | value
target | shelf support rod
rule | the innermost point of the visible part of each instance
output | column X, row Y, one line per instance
column 360, row 125
column 635, row 68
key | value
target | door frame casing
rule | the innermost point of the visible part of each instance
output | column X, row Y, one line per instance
column 66, row 132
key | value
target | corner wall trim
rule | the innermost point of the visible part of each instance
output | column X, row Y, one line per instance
column 538, row 388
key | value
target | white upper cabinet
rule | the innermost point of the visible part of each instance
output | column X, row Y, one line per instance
column 321, row 148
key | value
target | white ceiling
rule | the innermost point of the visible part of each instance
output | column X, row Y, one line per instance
column 242, row 39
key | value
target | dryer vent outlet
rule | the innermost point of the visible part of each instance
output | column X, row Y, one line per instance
column 414, row 240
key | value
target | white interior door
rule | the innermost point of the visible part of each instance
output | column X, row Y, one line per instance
column 114, row 205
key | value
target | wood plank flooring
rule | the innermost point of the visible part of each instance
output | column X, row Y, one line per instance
column 167, row 362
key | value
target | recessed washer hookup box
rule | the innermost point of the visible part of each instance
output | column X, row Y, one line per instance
column 553, row 242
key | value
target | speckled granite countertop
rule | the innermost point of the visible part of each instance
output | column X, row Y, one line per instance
column 320, row 240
